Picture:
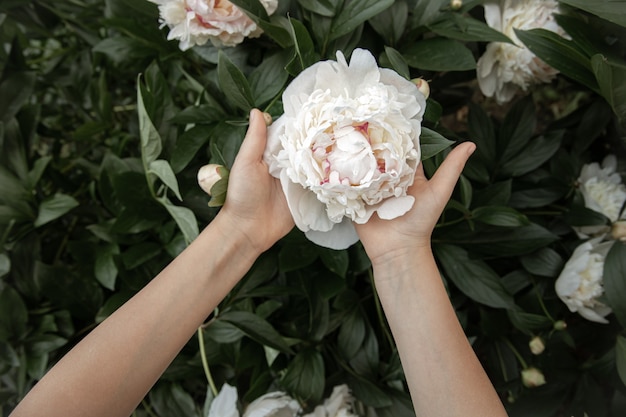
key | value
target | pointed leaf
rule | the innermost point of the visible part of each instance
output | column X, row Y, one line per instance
column 473, row 277
column 164, row 172
column 234, row 84
column 256, row 328
column 354, row 13
column 54, row 207
column 615, row 280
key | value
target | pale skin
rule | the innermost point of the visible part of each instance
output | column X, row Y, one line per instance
column 110, row 371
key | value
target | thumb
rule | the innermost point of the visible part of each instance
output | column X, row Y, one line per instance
column 256, row 138
column 450, row 170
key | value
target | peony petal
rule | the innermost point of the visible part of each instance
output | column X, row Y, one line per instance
column 395, row 207
column 225, row 404
column 307, row 211
column 493, row 15
column 342, row 236
column 592, row 315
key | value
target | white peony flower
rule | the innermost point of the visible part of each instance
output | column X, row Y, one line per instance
column 194, row 22
column 346, row 146
column 208, row 176
column 339, row 404
column 580, row 284
column 602, row 188
column 225, row 404
column 274, row 404
column 504, row 68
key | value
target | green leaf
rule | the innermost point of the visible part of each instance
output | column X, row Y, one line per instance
column 184, row 218
column 13, row 314
column 611, row 10
column 220, row 188
column 500, row 216
column 139, row 254
column 187, row 146
column 473, row 277
column 612, row 79
column 15, row 91
column 397, row 62
column 465, row 28
column 432, row 143
column 54, row 207
column 34, row 175
column 268, row 79
column 150, row 139
column 297, row 256
column 257, row 329
column 305, row 376
column 336, row 261
column 426, row 11
column 303, row 44
column 351, row 334
column 252, row 8
column 5, row 264
column 321, row 7
column 528, row 322
column 11, row 188
column 390, row 23
column 534, row 155
column 164, row 172
column 105, row 268
column 560, row 54
column 517, row 128
column 234, row 84
column 615, row 280
column 439, row 54
column 545, row 262
column 368, row 393
column 620, row 357
column 353, row 13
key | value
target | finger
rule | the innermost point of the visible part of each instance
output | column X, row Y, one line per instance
column 256, row 138
column 450, row 170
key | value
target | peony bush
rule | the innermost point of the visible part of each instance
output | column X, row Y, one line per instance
column 121, row 119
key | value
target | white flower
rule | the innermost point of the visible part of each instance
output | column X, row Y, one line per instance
column 225, row 404
column 533, row 377
column 274, row 404
column 194, row 22
column 339, row 404
column 580, row 284
column 208, row 176
column 602, row 188
column 346, row 146
column 504, row 68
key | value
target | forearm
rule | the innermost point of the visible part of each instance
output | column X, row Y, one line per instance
column 110, row 371
column 443, row 373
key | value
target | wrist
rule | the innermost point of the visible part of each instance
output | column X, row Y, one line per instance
column 400, row 264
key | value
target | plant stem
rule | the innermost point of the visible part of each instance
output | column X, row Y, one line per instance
column 516, row 353
column 205, row 363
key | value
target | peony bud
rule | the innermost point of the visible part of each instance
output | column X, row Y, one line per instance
column 268, row 118
column 422, row 86
column 559, row 325
column 208, row 176
column 456, row 4
column 536, row 345
column 533, row 377
column 618, row 230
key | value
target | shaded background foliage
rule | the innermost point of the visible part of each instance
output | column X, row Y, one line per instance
column 104, row 125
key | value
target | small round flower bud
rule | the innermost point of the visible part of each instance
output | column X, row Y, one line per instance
column 560, row 325
column 456, row 4
column 422, row 86
column 208, row 175
column 536, row 345
column 268, row 118
column 533, row 377
column 618, row 230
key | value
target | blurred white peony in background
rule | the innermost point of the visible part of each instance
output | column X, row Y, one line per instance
column 194, row 22
column 504, row 68
column 580, row 284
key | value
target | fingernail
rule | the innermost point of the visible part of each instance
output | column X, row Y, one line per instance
column 268, row 118
column 471, row 149
column 252, row 115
